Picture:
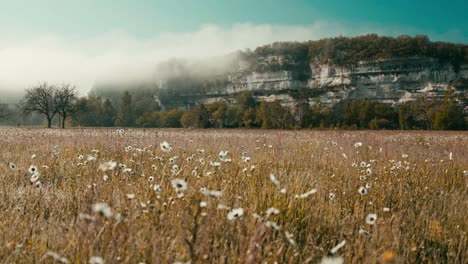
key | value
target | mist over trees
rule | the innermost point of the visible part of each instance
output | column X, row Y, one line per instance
column 169, row 99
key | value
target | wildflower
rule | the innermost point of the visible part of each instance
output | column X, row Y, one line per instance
column 274, row 180
column 368, row 185
column 223, row 156
column 157, row 188
column 202, row 161
column 337, row 247
column 130, row 196
column 109, row 165
column 201, row 151
column 258, row 217
column 173, row 159
column 215, row 164
column 12, row 165
column 290, row 239
column 386, row 209
column 223, row 207
column 203, row 204
column 235, row 213
column 245, row 159
column 175, row 169
column 179, row 185
column 272, row 211
column 307, row 194
column 90, row 158
column 96, row 260
column 45, row 166
column 363, row 164
column 272, row 224
column 105, row 177
column 80, row 157
column 35, row 177
column 332, row 196
column 86, row 217
column 165, row 146
column 362, row 190
column 32, row 169
column 150, row 178
column 56, row 257
column 362, row 178
column 127, row 170
column 364, row 232
column 39, row 184
column 358, row 144
column 371, row 218
column 212, row 193
column 332, row 260
column 33, row 156
column 283, row 190
column 102, row 209
column 369, row 171
column 354, row 165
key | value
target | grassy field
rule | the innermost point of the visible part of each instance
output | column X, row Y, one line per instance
column 165, row 196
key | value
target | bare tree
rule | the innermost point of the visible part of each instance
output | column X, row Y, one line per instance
column 41, row 99
column 65, row 98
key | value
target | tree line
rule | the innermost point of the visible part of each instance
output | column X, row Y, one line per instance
column 61, row 103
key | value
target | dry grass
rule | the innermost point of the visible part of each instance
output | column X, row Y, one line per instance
column 426, row 194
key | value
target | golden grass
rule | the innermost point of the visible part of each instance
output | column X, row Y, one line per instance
column 426, row 194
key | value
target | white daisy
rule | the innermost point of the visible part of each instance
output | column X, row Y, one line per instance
column 103, row 209
column 362, row 190
column 358, row 144
column 96, row 259
column 12, row 166
column 165, row 146
column 109, row 165
column 32, row 169
column 235, row 213
column 179, row 185
column 332, row 260
column 371, row 219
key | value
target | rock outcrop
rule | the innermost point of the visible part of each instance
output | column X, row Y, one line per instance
column 392, row 81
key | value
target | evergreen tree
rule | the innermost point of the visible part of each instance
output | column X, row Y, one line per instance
column 125, row 114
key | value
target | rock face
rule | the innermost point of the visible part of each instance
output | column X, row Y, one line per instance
column 392, row 81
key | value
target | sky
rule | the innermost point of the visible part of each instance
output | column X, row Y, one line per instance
column 88, row 40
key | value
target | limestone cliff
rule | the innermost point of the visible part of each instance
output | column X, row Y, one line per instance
column 392, row 81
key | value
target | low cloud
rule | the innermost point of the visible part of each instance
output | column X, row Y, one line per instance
column 121, row 56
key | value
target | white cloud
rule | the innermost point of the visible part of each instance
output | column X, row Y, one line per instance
column 118, row 55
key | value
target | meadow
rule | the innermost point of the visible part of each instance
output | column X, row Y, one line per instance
column 232, row 196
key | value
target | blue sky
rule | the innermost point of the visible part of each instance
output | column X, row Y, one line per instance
column 148, row 18
column 82, row 41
